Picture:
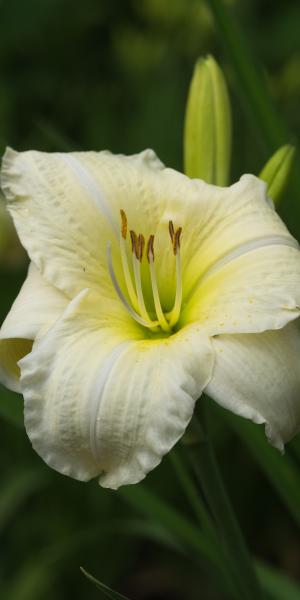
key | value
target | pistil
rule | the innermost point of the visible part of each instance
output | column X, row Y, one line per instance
column 159, row 312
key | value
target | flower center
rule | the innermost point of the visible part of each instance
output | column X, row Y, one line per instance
column 136, row 305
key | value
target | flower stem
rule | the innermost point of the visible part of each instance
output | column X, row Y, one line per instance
column 208, row 530
column 203, row 461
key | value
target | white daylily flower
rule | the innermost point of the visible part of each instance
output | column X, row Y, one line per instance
column 145, row 288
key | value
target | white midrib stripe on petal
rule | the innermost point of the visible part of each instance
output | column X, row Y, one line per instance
column 275, row 240
column 91, row 187
column 94, row 406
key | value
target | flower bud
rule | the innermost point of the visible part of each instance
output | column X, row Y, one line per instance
column 207, row 135
column 277, row 170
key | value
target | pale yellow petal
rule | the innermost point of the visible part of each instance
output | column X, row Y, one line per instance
column 255, row 292
column 101, row 400
column 257, row 376
column 217, row 221
column 36, row 307
column 57, row 222
column 66, row 208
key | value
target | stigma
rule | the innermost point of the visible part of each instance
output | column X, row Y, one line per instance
column 134, row 297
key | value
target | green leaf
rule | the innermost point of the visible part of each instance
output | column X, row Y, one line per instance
column 279, row 470
column 11, row 407
column 251, row 83
column 273, row 582
column 32, row 580
column 203, row 461
column 144, row 500
column 107, row 591
column 276, row 584
column 207, row 134
column 277, row 170
column 190, row 490
column 248, row 74
column 197, row 543
column 16, row 490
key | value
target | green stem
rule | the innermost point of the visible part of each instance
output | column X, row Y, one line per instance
column 203, row 461
column 191, row 491
column 204, row 519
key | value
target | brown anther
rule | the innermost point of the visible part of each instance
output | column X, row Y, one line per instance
column 171, row 231
column 176, row 241
column 124, row 224
column 150, row 249
column 140, row 246
column 134, row 243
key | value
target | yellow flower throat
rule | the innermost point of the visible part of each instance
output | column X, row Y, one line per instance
column 137, row 307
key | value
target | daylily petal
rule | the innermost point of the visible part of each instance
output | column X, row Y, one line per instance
column 217, row 221
column 136, row 184
column 36, row 307
column 258, row 377
column 70, row 203
column 105, row 395
column 255, row 292
column 101, row 399
column 55, row 220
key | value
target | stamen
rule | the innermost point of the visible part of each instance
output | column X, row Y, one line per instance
column 124, row 224
column 138, row 282
column 160, row 315
column 150, row 248
column 134, row 243
column 137, row 308
column 127, row 274
column 171, row 231
column 175, row 312
column 176, row 240
column 126, row 270
column 146, row 323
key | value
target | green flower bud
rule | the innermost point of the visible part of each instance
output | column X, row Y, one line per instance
column 277, row 170
column 207, row 135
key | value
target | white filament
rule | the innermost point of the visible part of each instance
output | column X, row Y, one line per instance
column 127, row 274
column 175, row 313
column 139, row 290
column 146, row 323
column 160, row 315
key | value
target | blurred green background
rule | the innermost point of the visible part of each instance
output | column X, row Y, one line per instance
column 112, row 74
